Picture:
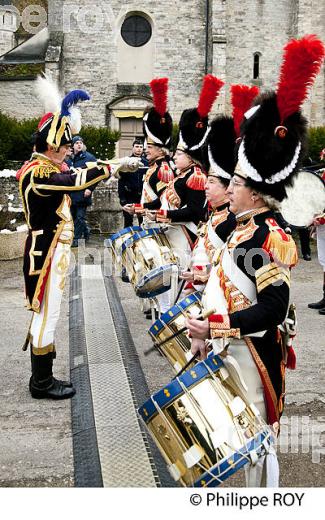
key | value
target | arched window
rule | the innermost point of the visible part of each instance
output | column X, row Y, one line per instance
column 256, row 65
column 136, row 30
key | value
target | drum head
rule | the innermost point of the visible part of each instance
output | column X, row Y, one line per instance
column 156, row 282
column 306, row 198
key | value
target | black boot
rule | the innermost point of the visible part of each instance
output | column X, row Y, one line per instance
column 322, row 312
column 42, row 384
column 68, row 384
column 320, row 304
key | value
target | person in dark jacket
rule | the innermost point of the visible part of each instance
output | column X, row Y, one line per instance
column 130, row 185
column 80, row 200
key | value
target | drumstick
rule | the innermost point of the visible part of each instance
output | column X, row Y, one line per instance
column 201, row 317
column 185, row 367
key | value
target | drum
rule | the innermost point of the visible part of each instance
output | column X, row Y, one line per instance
column 202, row 426
column 149, row 262
column 306, row 198
column 115, row 243
column 178, row 349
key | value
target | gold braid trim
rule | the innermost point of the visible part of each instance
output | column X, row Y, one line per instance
column 270, row 274
column 36, row 305
column 265, row 377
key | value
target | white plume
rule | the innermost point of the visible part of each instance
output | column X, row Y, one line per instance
column 48, row 93
column 75, row 119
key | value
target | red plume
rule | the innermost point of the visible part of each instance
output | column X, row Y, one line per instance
column 302, row 60
column 209, row 93
column 242, row 98
column 159, row 88
column 44, row 119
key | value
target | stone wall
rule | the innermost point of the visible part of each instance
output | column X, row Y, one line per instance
column 90, row 55
column 104, row 216
column 178, row 47
column 18, row 100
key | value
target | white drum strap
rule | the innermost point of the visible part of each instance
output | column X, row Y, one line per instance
column 240, row 281
column 237, row 277
column 213, row 237
column 148, row 195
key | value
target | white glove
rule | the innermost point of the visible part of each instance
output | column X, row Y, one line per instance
column 130, row 164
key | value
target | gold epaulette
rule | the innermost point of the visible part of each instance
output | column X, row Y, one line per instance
column 45, row 170
column 280, row 245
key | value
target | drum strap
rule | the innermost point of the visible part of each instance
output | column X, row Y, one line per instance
column 240, row 280
column 213, row 237
column 148, row 195
column 237, row 277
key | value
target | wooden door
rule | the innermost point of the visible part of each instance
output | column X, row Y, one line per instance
column 130, row 128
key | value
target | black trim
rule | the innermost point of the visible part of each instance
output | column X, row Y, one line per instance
column 87, row 468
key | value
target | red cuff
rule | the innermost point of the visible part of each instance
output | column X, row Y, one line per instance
column 138, row 207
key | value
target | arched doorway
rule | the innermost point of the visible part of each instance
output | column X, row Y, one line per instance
column 125, row 115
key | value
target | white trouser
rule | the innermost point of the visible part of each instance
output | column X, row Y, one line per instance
column 179, row 244
column 265, row 473
column 320, row 230
column 43, row 324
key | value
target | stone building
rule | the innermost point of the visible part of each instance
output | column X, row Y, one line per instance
column 113, row 49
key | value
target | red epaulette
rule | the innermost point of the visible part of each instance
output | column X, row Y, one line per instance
column 197, row 180
column 26, row 166
column 165, row 173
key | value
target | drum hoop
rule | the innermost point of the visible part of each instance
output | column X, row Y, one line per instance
column 189, row 378
column 228, row 466
column 137, row 236
column 124, row 231
column 178, row 308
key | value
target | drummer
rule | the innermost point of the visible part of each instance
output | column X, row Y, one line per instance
column 157, row 128
column 249, row 286
column 221, row 145
column 182, row 203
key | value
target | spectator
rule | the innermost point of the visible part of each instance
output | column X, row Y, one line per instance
column 130, row 184
column 80, row 200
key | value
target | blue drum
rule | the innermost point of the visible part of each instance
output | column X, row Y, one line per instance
column 149, row 262
column 178, row 349
column 116, row 240
column 203, row 428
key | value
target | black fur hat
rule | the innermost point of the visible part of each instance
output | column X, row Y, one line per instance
column 221, row 147
column 274, row 130
column 194, row 124
column 156, row 128
column 270, row 152
column 157, row 122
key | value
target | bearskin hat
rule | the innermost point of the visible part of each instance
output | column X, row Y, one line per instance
column 221, row 142
column 274, row 130
column 157, row 122
column 194, row 123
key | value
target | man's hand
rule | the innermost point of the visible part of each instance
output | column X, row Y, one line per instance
column 129, row 208
column 87, row 193
column 198, row 345
column 187, row 275
column 199, row 329
column 150, row 215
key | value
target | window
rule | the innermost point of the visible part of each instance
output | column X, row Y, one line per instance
column 256, row 65
column 136, row 31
